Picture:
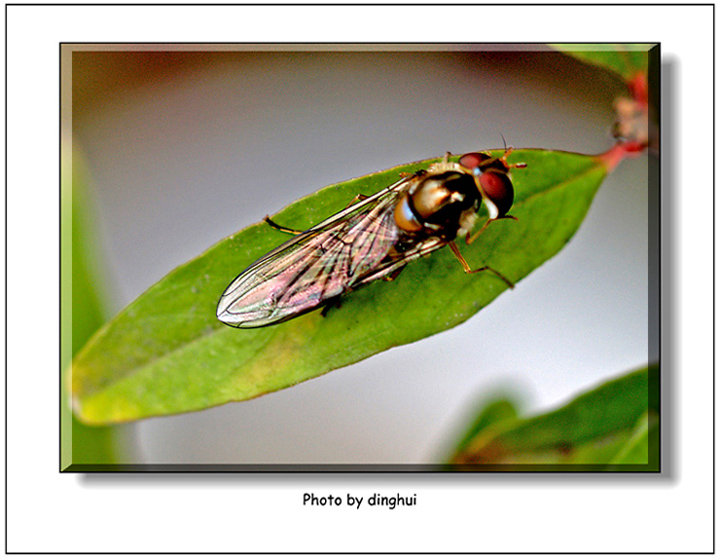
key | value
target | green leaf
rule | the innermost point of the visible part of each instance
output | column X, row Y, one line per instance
column 607, row 425
column 82, row 314
column 642, row 446
column 497, row 411
column 167, row 353
column 626, row 60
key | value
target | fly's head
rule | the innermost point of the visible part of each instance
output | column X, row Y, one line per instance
column 493, row 181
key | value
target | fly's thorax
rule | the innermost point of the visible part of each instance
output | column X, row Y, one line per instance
column 438, row 204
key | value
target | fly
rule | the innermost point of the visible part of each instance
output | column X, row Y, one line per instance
column 373, row 238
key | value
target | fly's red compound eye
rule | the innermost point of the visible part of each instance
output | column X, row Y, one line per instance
column 478, row 163
column 498, row 192
column 473, row 161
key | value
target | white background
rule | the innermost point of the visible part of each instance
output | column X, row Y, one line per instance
column 264, row 513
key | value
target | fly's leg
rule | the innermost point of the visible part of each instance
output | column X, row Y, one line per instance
column 280, row 228
column 468, row 269
column 274, row 225
column 470, row 238
column 358, row 198
column 394, row 274
column 334, row 302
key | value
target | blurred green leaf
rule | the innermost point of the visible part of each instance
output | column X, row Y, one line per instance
column 499, row 410
column 608, row 425
column 82, row 314
column 626, row 60
column 641, row 447
column 167, row 353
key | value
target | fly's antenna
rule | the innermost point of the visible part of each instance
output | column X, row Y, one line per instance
column 505, row 146
column 508, row 150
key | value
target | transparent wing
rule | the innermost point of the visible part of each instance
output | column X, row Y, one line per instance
column 317, row 265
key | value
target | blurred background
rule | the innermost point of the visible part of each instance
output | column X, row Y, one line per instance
column 186, row 145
